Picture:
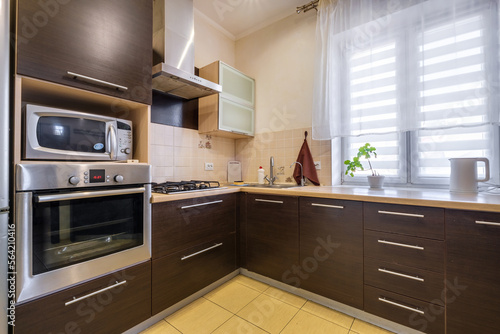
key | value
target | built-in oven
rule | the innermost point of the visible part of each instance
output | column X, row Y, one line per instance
column 79, row 221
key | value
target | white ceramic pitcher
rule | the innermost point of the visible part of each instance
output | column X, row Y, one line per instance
column 463, row 177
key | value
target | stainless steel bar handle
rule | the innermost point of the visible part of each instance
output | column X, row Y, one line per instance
column 416, row 278
column 327, row 206
column 487, row 223
column 87, row 194
column 401, row 305
column 268, row 201
column 76, row 300
column 94, row 80
column 400, row 245
column 401, row 214
column 202, row 251
column 201, row 204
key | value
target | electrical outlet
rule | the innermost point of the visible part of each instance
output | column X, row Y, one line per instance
column 209, row 166
column 317, row 164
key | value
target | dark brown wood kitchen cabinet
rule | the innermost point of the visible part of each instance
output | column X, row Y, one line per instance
column 331, row 249
column 472, row 272
column 194, row 245
column 404, row 252
column 125, row 301
column 272, row 236
column 100, row 46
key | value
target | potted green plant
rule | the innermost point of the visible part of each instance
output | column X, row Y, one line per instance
column 368, row 152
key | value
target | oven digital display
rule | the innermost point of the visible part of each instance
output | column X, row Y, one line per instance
column 97, row 175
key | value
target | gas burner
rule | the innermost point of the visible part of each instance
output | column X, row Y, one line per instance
column 184, row 186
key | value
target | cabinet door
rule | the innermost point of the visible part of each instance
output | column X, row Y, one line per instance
column 331, row 249
column 118, row 308
column 107, row 43
column 179, row 225
column 472, row 271
column 272, row 236
column 236, row 86
column 235, row 118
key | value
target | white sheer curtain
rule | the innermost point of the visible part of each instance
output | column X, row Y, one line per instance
column 400, row 65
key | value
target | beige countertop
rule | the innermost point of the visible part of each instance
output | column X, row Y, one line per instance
column 440, row 198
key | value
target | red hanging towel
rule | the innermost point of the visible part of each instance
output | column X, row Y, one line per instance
column 307, row 161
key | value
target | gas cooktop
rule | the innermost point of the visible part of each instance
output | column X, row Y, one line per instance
column 184, row 186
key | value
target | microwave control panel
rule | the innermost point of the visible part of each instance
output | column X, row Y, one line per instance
column 124, row 139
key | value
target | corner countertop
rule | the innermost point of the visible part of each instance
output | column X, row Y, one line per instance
column 440, row 198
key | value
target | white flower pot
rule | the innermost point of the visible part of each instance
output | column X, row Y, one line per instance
column 376, row 182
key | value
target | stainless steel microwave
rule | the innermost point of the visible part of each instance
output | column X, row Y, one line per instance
column 58, row 134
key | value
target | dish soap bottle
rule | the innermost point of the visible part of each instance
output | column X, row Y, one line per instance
column 261, row 175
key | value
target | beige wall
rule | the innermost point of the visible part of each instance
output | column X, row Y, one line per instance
column 210, row 44
column 281, row 59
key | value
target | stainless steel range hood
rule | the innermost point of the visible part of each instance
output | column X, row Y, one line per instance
column 173, row 51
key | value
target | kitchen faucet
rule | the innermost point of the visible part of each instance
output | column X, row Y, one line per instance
column 271, row 178
column 302, row 182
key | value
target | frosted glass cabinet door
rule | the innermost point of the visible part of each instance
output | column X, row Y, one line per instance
column 236, row 118
column 236, row 86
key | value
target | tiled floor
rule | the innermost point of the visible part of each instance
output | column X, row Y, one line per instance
column 246, row 306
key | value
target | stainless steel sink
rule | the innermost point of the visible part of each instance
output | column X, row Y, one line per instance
column 279, row 186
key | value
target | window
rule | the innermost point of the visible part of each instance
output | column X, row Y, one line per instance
column 450, row 63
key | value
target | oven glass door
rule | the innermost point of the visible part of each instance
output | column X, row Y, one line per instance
column 70, row 228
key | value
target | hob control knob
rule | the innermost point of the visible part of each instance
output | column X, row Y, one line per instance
column 127, row 151
column 119, row 178
column 74, row 180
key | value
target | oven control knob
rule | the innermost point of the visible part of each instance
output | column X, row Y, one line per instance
column 74, row 180
column 126, row 151
column 119, row 178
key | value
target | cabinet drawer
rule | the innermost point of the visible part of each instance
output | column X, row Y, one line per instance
column 412, row 282
column 398, row 249
column 422, row 316
column 112, row 311
column 179, row 275
column 473, row 223
column 405, row 219
column 183, row 224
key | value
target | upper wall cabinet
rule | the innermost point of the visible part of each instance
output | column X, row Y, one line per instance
column 100, row 46
column 231, row 113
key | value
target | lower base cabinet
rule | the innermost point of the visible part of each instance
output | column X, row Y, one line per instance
column 472, row 272
column 272, row 236
column 331, row 249
column 181, row 274
column 112, row 311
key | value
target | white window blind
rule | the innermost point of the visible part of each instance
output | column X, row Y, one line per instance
column 374, row 110
column 452, row 77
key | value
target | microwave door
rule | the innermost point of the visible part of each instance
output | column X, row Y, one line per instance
column 61, row 137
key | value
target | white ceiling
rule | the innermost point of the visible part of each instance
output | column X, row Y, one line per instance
column 238, row 18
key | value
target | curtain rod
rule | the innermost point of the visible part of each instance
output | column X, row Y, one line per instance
column 307, row 7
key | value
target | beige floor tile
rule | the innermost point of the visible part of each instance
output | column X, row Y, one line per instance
column 232, row 296
column 328, row 314
column 307, row 323
column 361, row 327
column 251, row 283
column 268, row 313
column 161, row 327
column 201, row 316
column 236, row 325
column 286, row 297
